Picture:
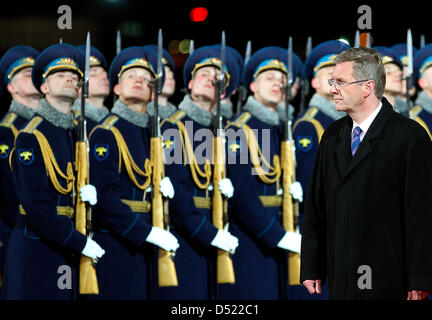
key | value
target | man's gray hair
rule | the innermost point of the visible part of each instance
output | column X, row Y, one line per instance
column 367, row 65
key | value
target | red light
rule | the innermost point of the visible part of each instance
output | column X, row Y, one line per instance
column 198, row 14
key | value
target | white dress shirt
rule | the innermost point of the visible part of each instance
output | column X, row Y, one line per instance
column 366, row 123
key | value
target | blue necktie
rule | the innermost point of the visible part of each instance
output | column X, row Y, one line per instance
column 355, row 141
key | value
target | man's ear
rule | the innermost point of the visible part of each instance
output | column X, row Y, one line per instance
column 44, row 88
column 116, row 89
column 190, row 84
column 422, row 83
column 11, row 88
column 253, row 87
column 368, row 88
column 315, row 83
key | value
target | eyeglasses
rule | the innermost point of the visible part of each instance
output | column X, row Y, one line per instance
column 340, row 84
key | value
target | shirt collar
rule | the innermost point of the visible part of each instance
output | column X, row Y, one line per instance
column 367, row 122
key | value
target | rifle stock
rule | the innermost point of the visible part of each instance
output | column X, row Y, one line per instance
column 225, row 268
column 289, row 208
column 88, row 283
column 167, row 275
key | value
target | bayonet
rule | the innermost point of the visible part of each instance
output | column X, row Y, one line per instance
column 118, row 42
column 408, row 78
column 422, row 41
column 357, row 39
column 191, row 47
column 242, row 90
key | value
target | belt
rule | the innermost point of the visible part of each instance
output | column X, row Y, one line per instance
column 202, row 202
column 61, row 210
column 271, row 201
column 138, row 206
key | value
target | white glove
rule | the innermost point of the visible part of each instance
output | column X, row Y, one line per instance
column 290, row 241
column 166, row 188
column 226, row 187
column 225, row 241
column 88, row 194
column 163, row 239
column 296, row 191
column 93, row 250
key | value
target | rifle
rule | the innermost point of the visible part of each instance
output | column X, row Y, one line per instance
column 225, row 268
column 87, row 273
column 408, row 78
column 289, row 206
column 305, row 86
column 241, row 98
column 166, row 269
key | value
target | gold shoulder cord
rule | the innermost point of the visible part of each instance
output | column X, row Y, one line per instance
column 415, row 111
column 189, row 154
column 124, row 154
column 8, row 123
column 273, row 173
column 50, row 162
column 309, row 117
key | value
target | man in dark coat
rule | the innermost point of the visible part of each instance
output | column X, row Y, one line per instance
column 367, row 220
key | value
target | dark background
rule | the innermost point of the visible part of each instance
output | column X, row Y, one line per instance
column 264, row 22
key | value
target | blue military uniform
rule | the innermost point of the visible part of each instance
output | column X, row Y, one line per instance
column 255, row 209
column 308, row 129
column 167, row 60
column 94, row 114
column 120, row 171
column 14, row 60
column 422, row 110
column 190, row 209
column 401, row 49
column 44, row 243
column 391, row 56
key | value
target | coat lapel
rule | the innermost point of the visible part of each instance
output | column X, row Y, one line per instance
column 343, row 147
column 367, row 145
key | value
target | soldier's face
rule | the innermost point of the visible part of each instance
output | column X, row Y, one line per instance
column 268, row 87
column 98, row 82
column 61, row 85
column 393, row 78
column 22, row 85
column 320, row 82
column 169, row 84
column 202, row 84
column 134, row 85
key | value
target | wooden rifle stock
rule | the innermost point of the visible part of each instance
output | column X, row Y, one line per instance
column 88, row 283
column 166, row 268
column 289, row 208
column 225, row 268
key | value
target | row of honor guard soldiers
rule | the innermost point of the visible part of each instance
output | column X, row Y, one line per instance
column 37, row 157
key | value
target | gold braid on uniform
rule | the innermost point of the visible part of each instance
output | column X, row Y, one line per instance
column 196, row 172
column 50, row 162
column 273, row 173
column 124, row 153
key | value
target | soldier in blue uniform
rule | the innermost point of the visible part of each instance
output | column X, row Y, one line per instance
column 15, row 76
column 188, row 143
column 44, row 247
column 402, row 51
column 394, row 78
column 255, row 217
column 227, row 109
column 166, row 108
column 98, row 91
column 121, row 171
column 422, row 110
column 297, row 68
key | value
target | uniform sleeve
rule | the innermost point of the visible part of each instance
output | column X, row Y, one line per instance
column 313, row 244
column 8, row 199
column 38, row 199
column 104, row 175
column 418, row 216
column 245, row 204
column 306, row 148
column 192, row 222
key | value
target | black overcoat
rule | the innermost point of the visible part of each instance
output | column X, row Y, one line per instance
column 368, row 219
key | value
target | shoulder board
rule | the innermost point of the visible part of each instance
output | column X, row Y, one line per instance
column 311, row 113
column 33, row 124
column 109, row 122
column 178, row 115
column 9, row 120
column 415, row 111
column 241, row 120
column 76, row 113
